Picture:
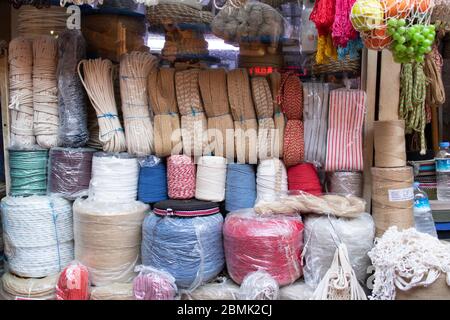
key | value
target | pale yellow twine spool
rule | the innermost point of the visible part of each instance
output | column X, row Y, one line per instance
column 392, row 198
column 389, row 140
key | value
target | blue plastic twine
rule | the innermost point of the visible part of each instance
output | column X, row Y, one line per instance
column 152, row 185
column 240, row 187
column 190, row 249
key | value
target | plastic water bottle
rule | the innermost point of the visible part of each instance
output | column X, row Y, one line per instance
column 442, row 161
column 423, row 217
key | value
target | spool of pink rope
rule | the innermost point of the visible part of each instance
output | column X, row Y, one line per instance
column 153, row 284
column 180, row 177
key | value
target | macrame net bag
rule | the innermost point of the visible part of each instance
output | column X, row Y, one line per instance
column 374, row 18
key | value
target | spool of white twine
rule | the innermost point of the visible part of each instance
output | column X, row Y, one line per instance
column 271, row 179
column 211, row 177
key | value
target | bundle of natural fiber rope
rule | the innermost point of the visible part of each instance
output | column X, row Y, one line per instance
column 392, row 198
column 97, row 79
column 184, row 43
column 433, row 71
column 413, row 84
column 243, row 112
column 291, row 100
column 38, row 234
column 35, row 22
column 30, row 288
column 21, row 92
column 45, row 91
column 389, row 142
column 262, row 98
column 175, row 13
column 279, row 120
column 340, row 206
column 134, row 70
column 213, row 87
column 114, row 291
column 193, row 119
column 108, row 239
column 93, row 128
column 73, row 131
column 163, row 102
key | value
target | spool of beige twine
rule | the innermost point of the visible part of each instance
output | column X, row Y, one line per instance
column 389, row 140
column 392, row 198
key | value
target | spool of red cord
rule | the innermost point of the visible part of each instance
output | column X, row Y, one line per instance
column 153, row 284
column 304, row 177
column 272, row 244
column 73, row 283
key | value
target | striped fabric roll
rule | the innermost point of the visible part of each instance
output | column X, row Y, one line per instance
column 345, row 122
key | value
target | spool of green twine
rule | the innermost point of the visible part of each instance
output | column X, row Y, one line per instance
column 28, row 170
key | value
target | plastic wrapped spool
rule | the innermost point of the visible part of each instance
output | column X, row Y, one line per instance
column 324, row 233
column 152, row 185
column 259, row 285
column 270, row 243
column 299, row 290
column 271, row 179
column 108, row 239
column 153, row 284
column 346, row 183
column 221, row 288
column 73, row 283
column 114, row 291
column 70, row 171
column 38, row 234
column 15, row 287
column 240, row 187
column 211, row 178
column 28, row 172
column 187, row 244
column 114, row 177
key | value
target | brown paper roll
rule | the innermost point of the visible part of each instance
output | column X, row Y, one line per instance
column 389, row 141
column 392, row 198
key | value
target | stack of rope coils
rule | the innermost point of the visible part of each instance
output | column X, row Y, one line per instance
column 73, row 132
column 184, row 238
column 108, row 238
column 211, row 177
column 70, row 171
column 279, row 120
column 32, row 22
column 97, row 79
column 291, row 100
column 241, row 186
column 271, row 244
column 28, row 288
column 271, row 179
column 163, row 102
column 152, row 180
column 114, row 178
column 243, row 112
column 21, row 92
column 134, row 70
column 28, row 172
column 193, row 119
column 213, row 87
column 45, row 91
column 177, row 13
column 180, row 177
column 38, row 234
column 262, row 98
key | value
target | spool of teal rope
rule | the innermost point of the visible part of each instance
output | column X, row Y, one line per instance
column 28, row 172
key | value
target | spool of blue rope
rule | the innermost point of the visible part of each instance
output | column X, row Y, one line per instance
column 152, row 185
column 187, row 244
column 240, row 187
column 28, row 170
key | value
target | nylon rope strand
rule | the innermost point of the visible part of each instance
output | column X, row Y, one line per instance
column 412, row 100
column 97, row 79
column 163, row 102
column 45, row 91
column 262, row 98
column 134, row 70
column 21, row 92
